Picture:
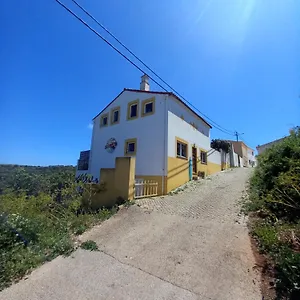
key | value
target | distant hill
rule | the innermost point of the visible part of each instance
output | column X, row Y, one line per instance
column 33, row 179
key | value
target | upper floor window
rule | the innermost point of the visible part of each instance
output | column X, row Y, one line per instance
column 115, row 115
column 133, row 110
column 148, row 107
column 104, row 120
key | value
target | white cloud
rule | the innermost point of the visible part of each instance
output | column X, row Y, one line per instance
column 90, row 126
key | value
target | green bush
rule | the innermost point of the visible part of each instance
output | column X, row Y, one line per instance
column 267, row 236
column 275, row 184
column 275, row 197
column 37, row 227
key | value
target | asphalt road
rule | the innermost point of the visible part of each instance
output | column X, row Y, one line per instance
column 192, row 245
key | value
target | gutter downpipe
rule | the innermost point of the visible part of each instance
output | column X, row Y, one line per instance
column 165, row 144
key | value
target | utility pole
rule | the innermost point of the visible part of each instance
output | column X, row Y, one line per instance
column 237, row 135
column 237, row 139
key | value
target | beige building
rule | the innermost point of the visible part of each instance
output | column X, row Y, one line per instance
column 246, row 154
column 261, row 148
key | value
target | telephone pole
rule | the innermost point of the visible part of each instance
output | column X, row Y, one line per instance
column 237, row 139
column 237, row 135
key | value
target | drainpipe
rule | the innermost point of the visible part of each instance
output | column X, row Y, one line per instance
column 190, row 169
column 165, row 144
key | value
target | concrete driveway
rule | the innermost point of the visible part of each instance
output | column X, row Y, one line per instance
column 192, row 245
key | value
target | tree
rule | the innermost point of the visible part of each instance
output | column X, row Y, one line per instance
column 221, row 146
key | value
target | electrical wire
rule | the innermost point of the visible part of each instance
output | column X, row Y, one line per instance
column 217, row 126
column 145, row 65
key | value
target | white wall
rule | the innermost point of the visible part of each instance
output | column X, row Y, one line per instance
column 214, row 156
column 251, row 157
column 235, row 159
column 147, row 130
column 181, row 129
column 179, row 109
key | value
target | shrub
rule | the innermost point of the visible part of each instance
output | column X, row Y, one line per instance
column 276, row 180
column 35, row 228
column 275, row 196
column 89, row 245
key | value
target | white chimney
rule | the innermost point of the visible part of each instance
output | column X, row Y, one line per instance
column 144, row 85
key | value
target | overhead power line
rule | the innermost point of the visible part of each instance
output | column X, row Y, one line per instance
column 217, row 126
column 149, row 68
column 144, row 64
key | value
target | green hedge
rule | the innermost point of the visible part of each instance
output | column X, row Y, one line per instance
column 275, row 196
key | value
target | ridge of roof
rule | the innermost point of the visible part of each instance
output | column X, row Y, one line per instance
column 154, row 92
column 275, row 141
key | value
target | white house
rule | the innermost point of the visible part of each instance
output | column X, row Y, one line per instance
column 164, row 134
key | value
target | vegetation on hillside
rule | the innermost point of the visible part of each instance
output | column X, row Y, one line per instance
column 41, row 213
column 275, row 199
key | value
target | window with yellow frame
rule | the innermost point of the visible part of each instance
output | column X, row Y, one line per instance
column 148, row 107
column 104, row 120
column 181, row 148
column 115, row 115
column 130, row 147
column 133, row 110
column 203, row 157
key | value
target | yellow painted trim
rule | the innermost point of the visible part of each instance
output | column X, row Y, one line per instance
column 144, row 102
column 177, row 139
column 101, row 120
column 137, row 102
column 112, row 115
column 129, row 141
column 161, row 188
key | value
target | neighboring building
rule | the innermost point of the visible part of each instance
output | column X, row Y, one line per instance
column 160, row 130
column 234, row 158
column 245, row 153
column 261, row 148
column 83, row 161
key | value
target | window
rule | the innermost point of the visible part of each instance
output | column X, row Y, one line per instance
column 203, row 157
column 133, row 110
column 115, row 115
column 148, row 107
column 181, row 149
column 104, row 120
column 130, row 147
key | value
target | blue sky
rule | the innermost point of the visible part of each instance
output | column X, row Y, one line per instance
column 236, row 60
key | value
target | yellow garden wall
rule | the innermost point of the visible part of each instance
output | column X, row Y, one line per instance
column 118, row 182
